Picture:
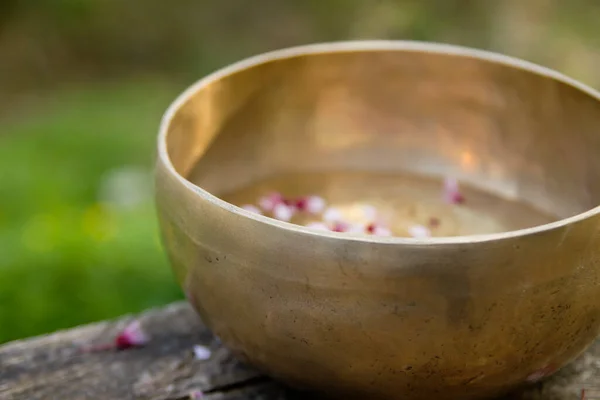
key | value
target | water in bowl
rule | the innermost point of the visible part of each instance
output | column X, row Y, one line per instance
column 402, row 201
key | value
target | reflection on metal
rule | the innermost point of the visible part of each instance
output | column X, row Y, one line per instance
column 387, row 318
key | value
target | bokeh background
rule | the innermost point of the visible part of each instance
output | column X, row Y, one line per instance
column 83, row 84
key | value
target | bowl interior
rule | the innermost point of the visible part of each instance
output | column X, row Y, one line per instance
column 502, row 126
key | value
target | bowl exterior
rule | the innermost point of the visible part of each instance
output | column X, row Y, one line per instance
column 384, row 320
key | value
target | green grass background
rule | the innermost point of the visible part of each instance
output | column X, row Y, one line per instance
column 67, row 258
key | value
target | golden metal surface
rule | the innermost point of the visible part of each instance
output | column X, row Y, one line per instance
column 391, row 318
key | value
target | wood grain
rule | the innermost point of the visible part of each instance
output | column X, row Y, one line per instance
column 55, row 367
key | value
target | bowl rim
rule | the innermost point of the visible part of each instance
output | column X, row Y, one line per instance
column 365, row 46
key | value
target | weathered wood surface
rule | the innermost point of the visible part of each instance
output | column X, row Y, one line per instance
column 54, row 367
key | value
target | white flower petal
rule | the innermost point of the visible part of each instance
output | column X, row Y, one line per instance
column 419, row 231
column 315, row 204
column 369, row 212
column 332, row 214
column 270, row 201
column 201, row 352
column 319, row 226
column 356, row 228
column 382, row 231
column 283, row 212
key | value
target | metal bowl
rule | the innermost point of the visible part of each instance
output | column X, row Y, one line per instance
column 392, row 318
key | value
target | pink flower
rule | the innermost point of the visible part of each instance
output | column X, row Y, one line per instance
column 196, row 394
column 252, row 208
column 131, row 336
column 451, row 193
column 419, row 231
column 268, row 202
column 283, row 212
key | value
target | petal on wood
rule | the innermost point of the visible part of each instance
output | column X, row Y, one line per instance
column 132, row 336
column 202, row 353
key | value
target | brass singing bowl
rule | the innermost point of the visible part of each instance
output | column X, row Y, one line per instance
column 388, row 317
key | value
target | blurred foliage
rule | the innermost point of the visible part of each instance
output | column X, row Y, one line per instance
column 50, row 41
column 68, row 254
column 84, row 84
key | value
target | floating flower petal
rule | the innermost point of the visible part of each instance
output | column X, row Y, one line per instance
column 340, row 227
column 381, row 231
column 319, row 226
column 315, row 204
column 419, row 231
column 355, row 228
column 332, row 214
column 283, row 212
column 452, row 193
column 369, row 212
column 268, row 202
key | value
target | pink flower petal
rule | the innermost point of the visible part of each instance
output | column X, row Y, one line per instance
column 201, row 352
column 319, row 226
column 355, row 228
column 131, row 336
column 283, row 212
column 370, row 228
column 419, row 231
column 378, row 229
column 252, row 208
column 315, row 204
column 332, row 214
column 451, row 192
column 381, row 231
column 268, row 202
column 340, row 227
column 301, row 203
